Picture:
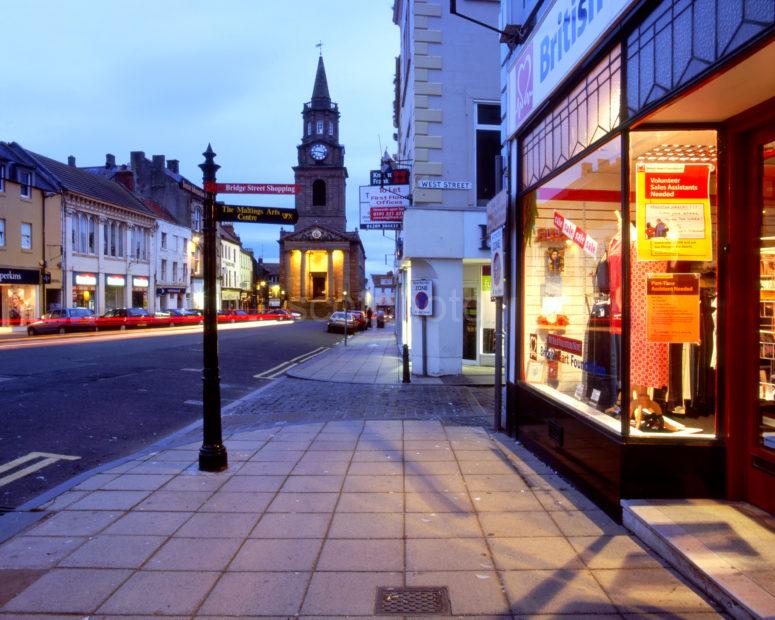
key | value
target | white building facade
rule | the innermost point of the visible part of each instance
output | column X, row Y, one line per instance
column 173, row 265
column 448, row 121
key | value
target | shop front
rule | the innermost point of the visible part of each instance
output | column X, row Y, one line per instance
column 115, row 291
column 478, row 316
column 19, row 290
column 140, row 292
column 230, row 299
column 642, row 335
column 85, row 291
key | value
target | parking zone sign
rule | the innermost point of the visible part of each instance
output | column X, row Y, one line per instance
column 422, row 297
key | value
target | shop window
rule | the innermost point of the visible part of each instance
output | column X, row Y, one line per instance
column 26, row 240
column 673, row 276
column 488, row 146
column 92, row 237
column 2, row 232
column 766, row 421
column 588, row 114
column 318, row 193
column 572, row 286
column 25, row 181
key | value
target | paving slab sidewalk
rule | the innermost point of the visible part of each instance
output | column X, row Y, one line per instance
column 311, row 518
column 372, row 356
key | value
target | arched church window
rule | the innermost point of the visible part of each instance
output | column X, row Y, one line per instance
column 330, row 128
column 319, row 193
column 309, row 128
column 320, row 127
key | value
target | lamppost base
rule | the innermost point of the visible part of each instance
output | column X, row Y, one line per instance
column 213, row 458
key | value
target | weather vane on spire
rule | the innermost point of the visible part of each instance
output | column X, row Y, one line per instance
column 319, row 45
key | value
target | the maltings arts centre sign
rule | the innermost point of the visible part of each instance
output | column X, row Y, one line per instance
column 564, row 36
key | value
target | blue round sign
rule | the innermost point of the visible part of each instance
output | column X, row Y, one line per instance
column 421, row 300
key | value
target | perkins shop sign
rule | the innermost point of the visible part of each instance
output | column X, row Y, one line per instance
column 565, row 35
column 19, row 276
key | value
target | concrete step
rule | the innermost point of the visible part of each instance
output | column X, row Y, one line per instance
column 723, row 548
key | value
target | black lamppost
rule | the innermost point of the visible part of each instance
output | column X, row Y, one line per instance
column 212, row 454
column 344, row 298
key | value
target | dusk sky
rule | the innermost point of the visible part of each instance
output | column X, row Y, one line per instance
column 86, row 78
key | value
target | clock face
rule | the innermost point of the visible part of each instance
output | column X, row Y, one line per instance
column 318, row 151
column 317, row 233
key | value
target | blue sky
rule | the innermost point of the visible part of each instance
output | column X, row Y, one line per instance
column 86, row 78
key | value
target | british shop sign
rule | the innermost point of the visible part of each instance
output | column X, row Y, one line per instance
column 563, row 38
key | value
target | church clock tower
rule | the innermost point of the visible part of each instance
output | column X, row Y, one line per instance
column 322, row 264
column 320, row 172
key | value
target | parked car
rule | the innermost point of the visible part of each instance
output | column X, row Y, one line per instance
column 281, row 314
column 232, row 316
column 172, row 317
column 125, row 318
column 62, row 321
column 337, row 322
column 360, row 317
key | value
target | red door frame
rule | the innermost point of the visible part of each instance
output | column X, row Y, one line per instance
column 740, row 294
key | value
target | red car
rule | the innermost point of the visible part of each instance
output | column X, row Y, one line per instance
column 360, row 317
column 125, row 318
column 62, row 321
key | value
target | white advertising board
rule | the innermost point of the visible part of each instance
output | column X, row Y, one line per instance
column 496, row 263
column 422, row 297
column 383, row 207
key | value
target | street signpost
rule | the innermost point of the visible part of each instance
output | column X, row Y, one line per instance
column 251, row 188
column 212, row 454
column 422, row 306
column 255, row 215
column 497, row 215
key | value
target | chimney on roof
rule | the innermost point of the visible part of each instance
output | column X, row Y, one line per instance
column 137, row 158
column 71, row 160
column 125, row 178
column 110, row 160
column 158, row 162
column 173, row 165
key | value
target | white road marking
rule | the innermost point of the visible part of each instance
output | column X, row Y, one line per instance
column 278, row 370
column 191, row 369
column 194, row 402
column 47, row 459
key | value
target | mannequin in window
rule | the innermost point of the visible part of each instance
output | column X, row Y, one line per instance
column 649, row 361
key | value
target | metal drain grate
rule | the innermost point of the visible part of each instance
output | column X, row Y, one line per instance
column 412, row 600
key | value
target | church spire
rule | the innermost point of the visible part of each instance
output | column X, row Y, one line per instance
column 320, row 96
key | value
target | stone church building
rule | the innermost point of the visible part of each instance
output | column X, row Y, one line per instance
column 320, row 260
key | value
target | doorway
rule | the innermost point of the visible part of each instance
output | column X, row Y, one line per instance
column 318, row 285
column 759, row 456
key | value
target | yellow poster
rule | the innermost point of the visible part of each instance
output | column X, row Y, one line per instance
column 673, row 212
column 673, row 307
